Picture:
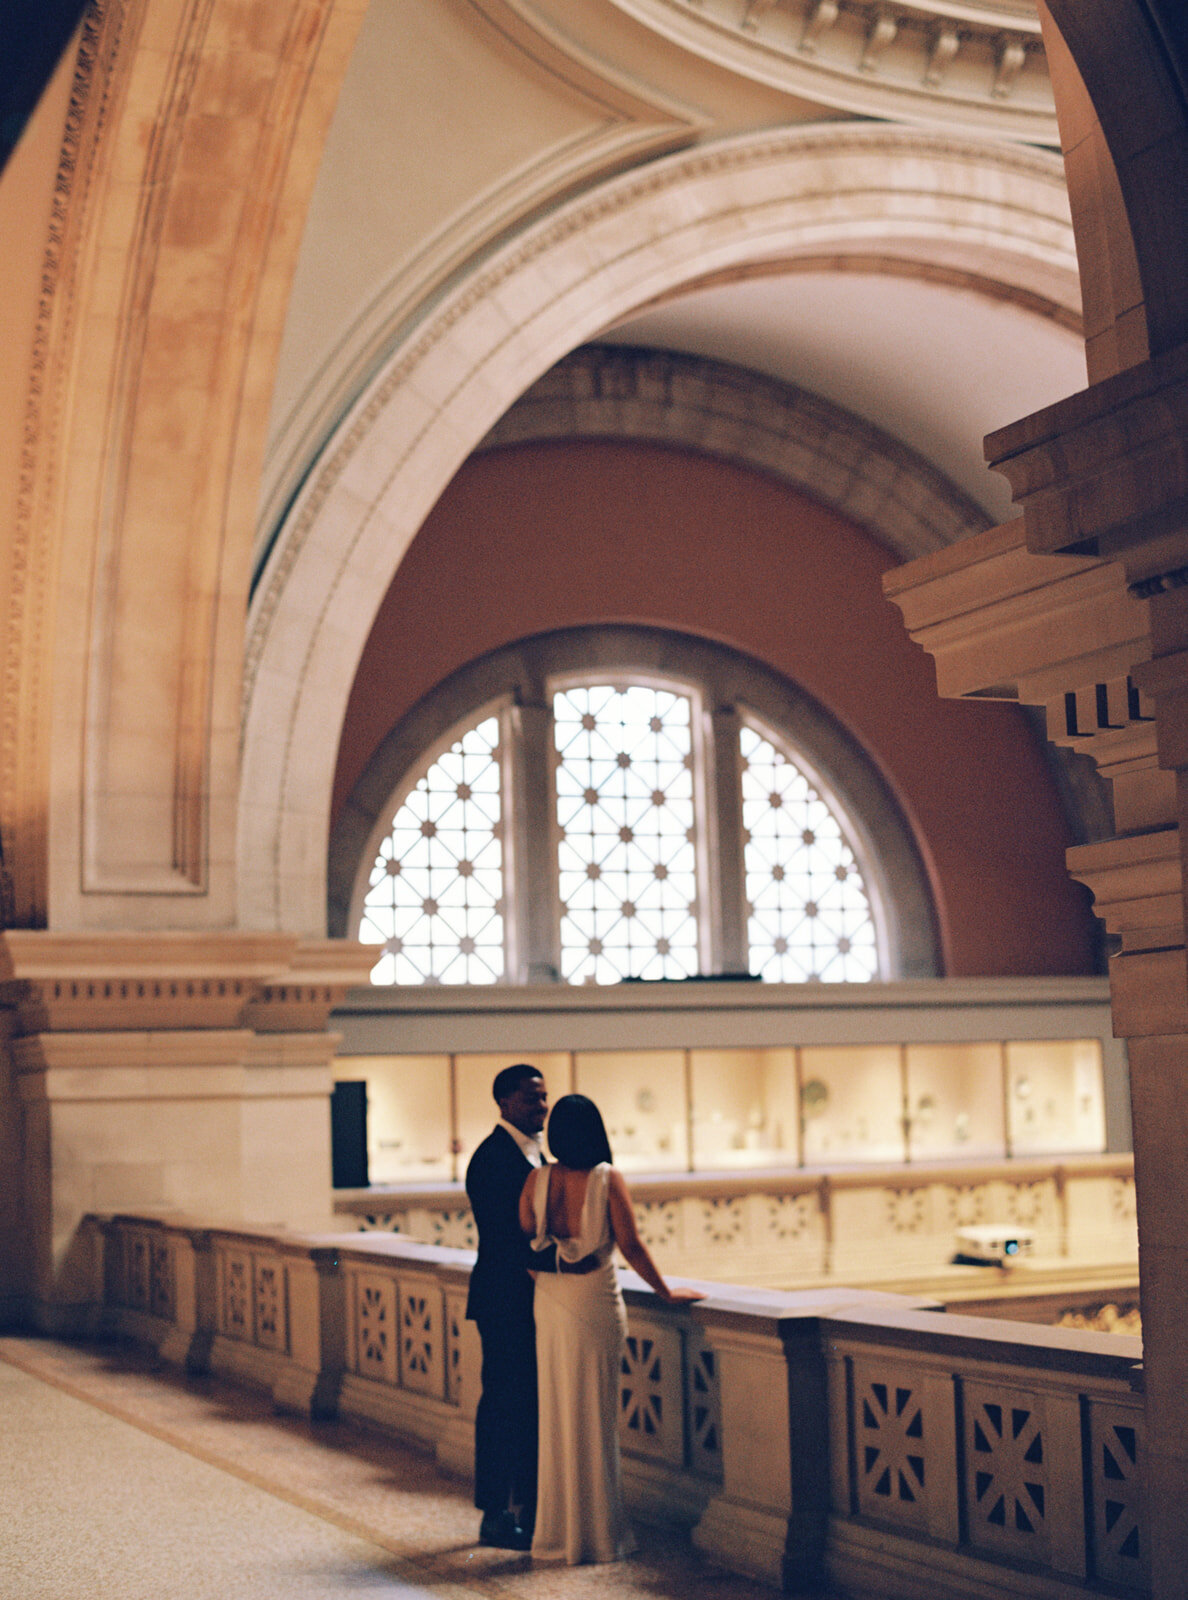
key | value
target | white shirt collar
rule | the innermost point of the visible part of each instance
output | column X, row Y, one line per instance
column 529, row 1143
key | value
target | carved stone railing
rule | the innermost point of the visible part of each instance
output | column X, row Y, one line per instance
column 979, row 1456
column 863, row 1225
column 845, row 1435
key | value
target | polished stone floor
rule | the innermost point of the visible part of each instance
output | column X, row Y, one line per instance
column 121, row 1479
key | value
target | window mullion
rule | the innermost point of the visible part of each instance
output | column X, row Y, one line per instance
column 535, row 893
column 724, row 814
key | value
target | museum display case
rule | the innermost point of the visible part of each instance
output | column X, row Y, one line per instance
column 954, row 1100
column 1054, row 1102
column 721, row 1110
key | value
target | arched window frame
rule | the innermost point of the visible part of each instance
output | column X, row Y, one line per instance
column 727, row 689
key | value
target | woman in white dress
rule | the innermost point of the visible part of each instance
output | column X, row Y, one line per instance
column 582, row 1205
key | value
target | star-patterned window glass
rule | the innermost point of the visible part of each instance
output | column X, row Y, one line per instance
column 627, row 850
column 435, row 897
column 808, row 910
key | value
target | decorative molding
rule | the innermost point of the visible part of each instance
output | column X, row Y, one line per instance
column 24, row 753
column 64, row 985
column 973, row 64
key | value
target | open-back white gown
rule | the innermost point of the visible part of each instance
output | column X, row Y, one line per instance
column 581, row 1324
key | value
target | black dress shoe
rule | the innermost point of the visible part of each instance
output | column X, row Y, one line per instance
column 501, row 1530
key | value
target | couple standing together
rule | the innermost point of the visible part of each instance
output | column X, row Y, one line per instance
column 547, row 1471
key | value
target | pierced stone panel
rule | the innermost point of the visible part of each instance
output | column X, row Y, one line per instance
column 373, row 1352
column 1032, row 1205
column 659, row 1222
column 1122, row 1201
column 235, row 1298
column 384, row 1222
column 890, row 1446
column 627, row 855
column 1119, row 1508
column 435, row 900
column 422, row 1336
column 809, row 913
column 162, row 1280
column 703, row 1403
column 268, row 1288
column 453, row 1353
column 789, row 1217
column 723, row 1222
column 455, row 1229
column 651, row 1419
column 137, row 1271
column 906, row 1210
column 966, row 1204
column 1007, row 1480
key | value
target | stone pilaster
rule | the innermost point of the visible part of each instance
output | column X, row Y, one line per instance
column 178, row 1072
column 1082, row 607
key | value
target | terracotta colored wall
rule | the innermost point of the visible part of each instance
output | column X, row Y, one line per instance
column 558, row 535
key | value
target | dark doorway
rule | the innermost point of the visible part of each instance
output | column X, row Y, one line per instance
column 348, row 1135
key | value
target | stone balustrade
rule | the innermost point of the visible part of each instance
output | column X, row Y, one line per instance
column 848, row 1434
column 886, row 1224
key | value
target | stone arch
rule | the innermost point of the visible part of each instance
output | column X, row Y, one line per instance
column 900, row 193
column 613, row 391
column 1125, row 134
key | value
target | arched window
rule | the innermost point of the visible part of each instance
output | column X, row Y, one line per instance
column 627, row 832
column 672, row 811
column 434, row 899
column 809, row 914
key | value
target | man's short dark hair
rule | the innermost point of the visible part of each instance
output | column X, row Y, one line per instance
column 577, row 1133
column 509, row 1080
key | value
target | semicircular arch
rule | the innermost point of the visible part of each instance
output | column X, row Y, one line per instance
column 591, row 262
column 620, row 391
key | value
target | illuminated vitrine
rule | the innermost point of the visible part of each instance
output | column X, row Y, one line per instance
column 718, row 1110
column 1053, row 1097
column 745, row 1109
column 644, row 1099
column 409, row 1116
column 955, row 1102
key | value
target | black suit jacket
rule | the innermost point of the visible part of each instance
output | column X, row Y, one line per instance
column 499, row 1284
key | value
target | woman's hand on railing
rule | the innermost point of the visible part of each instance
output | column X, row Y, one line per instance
column 682, row 1296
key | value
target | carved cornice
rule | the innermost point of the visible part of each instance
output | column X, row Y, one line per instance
column 1002, row 622
column 975, row 64
column 1060, row 632
column 269, row 982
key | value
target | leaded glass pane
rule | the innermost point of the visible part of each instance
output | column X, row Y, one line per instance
column 435, row 897
column 627, row 851
column 808, row 910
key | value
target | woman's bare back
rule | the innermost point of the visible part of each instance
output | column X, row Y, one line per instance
column 567, row 1196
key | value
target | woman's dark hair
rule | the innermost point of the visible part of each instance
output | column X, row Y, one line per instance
column 577, row 1135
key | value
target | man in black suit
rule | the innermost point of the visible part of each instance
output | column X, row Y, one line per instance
column 500, row 1301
